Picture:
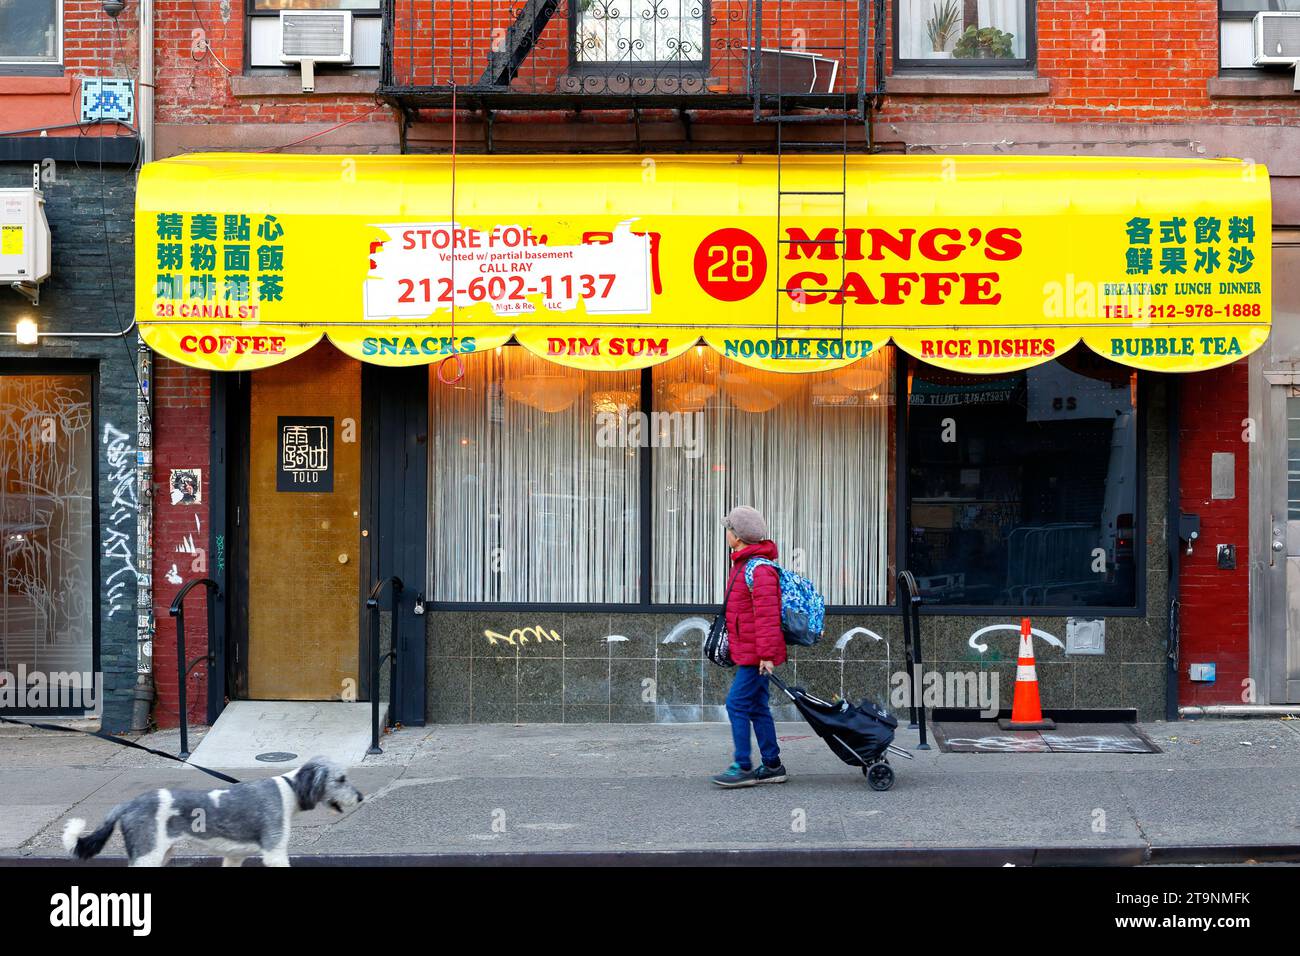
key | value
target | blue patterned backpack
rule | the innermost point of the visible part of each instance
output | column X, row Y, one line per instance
column 803, row 609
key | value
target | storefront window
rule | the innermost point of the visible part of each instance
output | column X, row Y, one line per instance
column 536, row 472
column 1023, row 488
column 46, row 530
column 528, row 504
column 809, row 451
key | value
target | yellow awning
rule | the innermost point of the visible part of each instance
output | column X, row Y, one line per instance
column 973, row 263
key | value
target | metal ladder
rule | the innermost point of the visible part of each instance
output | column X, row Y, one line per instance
column 853, row 109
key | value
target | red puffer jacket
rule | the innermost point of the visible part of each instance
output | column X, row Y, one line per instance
column 754, row 618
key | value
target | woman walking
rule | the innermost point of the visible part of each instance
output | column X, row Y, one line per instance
column 757, row 646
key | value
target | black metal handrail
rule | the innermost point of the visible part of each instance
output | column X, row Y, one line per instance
column 372, row 607
column 177, row 611
column 909, row 602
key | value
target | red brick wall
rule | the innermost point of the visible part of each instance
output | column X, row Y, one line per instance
column 1114, row 61
column 1214, row 618
column 93, row 45
column 195, row 87
column 1107, row 60
column 182, row 439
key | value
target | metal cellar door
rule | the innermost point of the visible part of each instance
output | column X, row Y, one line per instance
column 304, row 499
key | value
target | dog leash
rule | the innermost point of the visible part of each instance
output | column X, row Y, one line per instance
column 118, row 740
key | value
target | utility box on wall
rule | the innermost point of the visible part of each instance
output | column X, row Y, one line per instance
column 24, row 240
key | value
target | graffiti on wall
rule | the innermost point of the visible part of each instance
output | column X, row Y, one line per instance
column 681, row 645
column 118, row 547
column 681, row 633
column 520, row 636
column 45, row 500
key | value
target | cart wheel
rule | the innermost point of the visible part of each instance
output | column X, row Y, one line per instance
column 880, row 776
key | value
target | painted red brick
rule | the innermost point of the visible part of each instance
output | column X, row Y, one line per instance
column 1145, row 61
column 1214, row 614
column 182, row 439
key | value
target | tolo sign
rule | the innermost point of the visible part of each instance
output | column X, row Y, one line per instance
column 982, row 264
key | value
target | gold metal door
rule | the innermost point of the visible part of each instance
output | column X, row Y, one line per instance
column 303, row 546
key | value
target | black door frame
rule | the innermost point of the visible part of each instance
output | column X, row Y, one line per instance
column 228, row 538
column 394, row 513
column 394, row 416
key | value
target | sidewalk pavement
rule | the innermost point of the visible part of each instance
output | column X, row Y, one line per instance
column 1221, row 791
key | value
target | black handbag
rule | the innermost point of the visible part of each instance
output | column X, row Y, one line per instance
column 717, row 646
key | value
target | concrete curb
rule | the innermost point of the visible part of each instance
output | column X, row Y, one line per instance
column 1125, row 856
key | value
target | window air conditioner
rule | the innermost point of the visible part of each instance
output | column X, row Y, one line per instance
column 308, row 37
column 24, row 239
column 1277, row 41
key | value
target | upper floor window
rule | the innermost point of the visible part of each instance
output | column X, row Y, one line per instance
column 263, row 6
column 640, row 31
column 264, row 30
column 986, row 33
column 1236, row 37
column 31, row 31
column 1253, row 7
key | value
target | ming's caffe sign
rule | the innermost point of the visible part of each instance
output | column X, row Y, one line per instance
column 977, row 264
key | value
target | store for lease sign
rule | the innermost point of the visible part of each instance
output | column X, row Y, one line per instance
column 979, row 263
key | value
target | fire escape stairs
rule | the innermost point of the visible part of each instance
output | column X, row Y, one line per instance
column 521, row 36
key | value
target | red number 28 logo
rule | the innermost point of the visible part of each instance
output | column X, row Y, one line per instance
column 730, row 265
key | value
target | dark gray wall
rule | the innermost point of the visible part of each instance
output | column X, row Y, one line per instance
column 86, row 206
column 584, row 677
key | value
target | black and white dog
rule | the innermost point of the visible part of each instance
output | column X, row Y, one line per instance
column 242, row 821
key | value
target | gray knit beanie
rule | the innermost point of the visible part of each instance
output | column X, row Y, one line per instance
column 746, row 524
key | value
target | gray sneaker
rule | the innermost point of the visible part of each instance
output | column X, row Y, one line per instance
column 766, row 774
column 733, row 776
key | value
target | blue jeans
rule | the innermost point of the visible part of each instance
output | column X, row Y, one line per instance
column 746, row 705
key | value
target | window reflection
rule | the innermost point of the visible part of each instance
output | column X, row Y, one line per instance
column 811, row 451
column 529, row 502
column 1023, row 487
column 46, row 541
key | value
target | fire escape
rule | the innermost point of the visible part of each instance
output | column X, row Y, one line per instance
column 810, row 72
column 782, row 61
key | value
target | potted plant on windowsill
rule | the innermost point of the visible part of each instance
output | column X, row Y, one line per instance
column 939, row 28
column 985, row 43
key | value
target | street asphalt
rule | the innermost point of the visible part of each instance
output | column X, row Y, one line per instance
column 1221, row 791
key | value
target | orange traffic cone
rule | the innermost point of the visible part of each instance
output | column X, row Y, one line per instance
column 1026, row 711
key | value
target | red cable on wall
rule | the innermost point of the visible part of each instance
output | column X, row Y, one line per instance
column 455, row 356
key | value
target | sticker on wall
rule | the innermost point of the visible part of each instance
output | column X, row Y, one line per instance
column 187, row 486
column 306, row 459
